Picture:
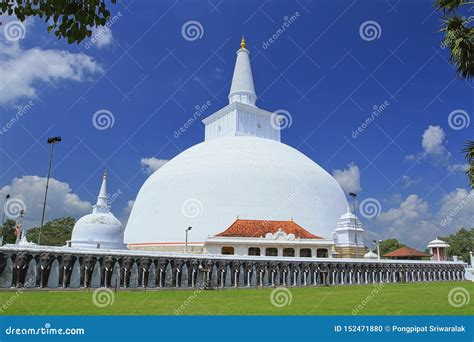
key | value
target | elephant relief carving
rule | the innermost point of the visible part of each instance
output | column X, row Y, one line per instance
column 66, row 263
column 43, row 269
column 126, row 270
column 20, row 268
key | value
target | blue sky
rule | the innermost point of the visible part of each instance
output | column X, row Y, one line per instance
column 322, row 70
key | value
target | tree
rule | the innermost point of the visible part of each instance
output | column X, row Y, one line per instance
column 459, row 37
column 67, row 19
column 8, row 230
column 54, row 233
column 389, row 245
column 469, row 151
column 461, row 243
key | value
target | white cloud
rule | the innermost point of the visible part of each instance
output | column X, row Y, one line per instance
column 150, row 165
column 23, row 72
column 101, row 37
column 408, row 181
column 349, row 179
column 458, row 168
column 126, row 212
column 433, row 141
column 457, row 210
column 128, row 209
column 410, row 222
column 434, row 144
column 415, row 223
column 61, row 200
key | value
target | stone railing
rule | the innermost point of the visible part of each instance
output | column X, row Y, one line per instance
column 60, row 267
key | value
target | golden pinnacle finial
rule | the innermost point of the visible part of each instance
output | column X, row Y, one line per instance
column 242, row 42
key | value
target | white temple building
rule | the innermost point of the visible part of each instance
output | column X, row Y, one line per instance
column 269, row 238
column 242, row 169
column 100, row 229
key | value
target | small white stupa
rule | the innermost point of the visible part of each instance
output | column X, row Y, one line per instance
column 101, row 229
column 370, row 255
column 348, row 236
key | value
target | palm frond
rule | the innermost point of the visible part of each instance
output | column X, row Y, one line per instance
column 469, row 151
column 460, row 41
column 449, row 6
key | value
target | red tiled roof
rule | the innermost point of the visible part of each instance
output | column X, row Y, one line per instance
column 406, row 252
column 258, row 228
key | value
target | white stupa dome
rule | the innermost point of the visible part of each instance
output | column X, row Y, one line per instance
column 210, row 184
column 101, row 229
column 242, row 169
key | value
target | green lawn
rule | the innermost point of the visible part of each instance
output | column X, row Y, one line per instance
column 391, row 299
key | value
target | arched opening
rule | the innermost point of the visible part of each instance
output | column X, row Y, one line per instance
column 254, row 251
column 288, row 252
column 322, row 253
column 305, row 252
column 227, row 250
column 271, row 251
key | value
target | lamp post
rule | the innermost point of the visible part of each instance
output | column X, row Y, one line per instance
column 377, row 244
column 20, row 230
column 52, row 141
column 354, row 195
column 7, row 197
column 186, row 241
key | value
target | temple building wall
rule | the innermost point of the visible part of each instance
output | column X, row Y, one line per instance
column 67, row 267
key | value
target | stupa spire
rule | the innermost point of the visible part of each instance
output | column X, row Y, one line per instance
column 103, row 198
column 242, row 89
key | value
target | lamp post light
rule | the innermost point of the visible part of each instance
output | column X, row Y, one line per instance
column 354, row 195
column 186, row 241
column 52, row 141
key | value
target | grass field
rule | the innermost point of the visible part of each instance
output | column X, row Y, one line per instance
column 389, row 299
